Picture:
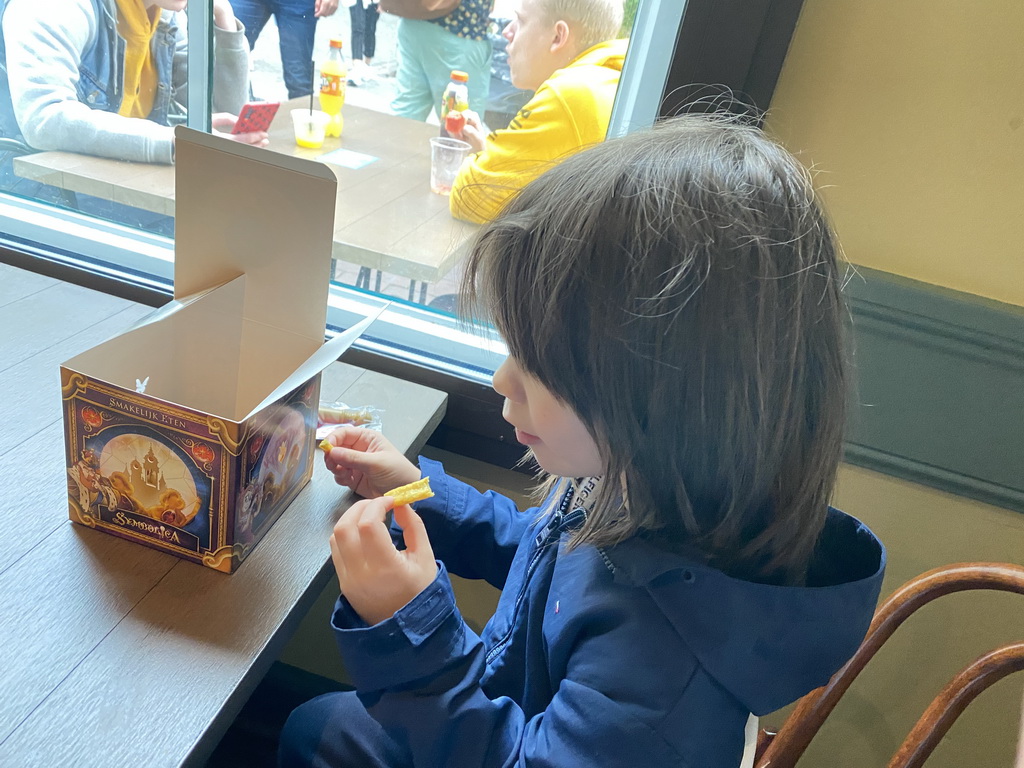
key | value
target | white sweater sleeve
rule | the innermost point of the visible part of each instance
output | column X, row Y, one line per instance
column 44, row 52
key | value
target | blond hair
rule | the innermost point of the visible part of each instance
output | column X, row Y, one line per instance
column 591, row 21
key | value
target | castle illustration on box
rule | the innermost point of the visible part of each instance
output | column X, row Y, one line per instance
column 180, row 480
column 141, row 482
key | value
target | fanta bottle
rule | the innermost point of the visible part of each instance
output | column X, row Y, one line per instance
column 456, row 97
column 333, row 80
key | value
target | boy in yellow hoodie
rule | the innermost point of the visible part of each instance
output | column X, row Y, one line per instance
column 564, row 51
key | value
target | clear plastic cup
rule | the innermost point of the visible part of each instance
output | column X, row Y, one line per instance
column 446, row 156
column 310, row 126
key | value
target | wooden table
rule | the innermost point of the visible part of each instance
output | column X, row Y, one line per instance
column 386, row 218
column 114, row 654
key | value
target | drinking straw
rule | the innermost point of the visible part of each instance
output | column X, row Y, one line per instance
column 312, row 87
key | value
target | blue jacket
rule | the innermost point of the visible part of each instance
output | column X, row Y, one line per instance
column 625, row 656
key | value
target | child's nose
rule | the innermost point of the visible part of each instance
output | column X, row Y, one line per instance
column 507, row 32
column 503, row 382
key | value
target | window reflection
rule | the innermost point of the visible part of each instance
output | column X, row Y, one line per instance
column 87, row 119
column 103, row 80
column 393, row 238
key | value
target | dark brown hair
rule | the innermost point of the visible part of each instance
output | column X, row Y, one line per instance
column 679, row 288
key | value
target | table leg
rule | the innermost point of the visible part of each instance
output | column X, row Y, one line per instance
column 363, row 278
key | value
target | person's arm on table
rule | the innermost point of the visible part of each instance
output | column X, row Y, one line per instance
column 44, row 55
column 44, row 52
column 538, row 136
column 230, row 75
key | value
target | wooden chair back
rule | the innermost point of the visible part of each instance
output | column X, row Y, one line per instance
column 783, row 749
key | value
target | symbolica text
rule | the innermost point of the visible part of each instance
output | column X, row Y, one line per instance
column 156, row 530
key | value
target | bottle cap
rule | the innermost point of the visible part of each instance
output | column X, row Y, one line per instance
column 337, row 42
column 459, row 76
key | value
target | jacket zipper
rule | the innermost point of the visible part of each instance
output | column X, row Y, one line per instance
column 553, row 530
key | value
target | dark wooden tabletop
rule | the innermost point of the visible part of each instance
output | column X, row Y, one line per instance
column 111, row 653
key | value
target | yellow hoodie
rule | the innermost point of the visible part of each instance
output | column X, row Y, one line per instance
column 567, row 113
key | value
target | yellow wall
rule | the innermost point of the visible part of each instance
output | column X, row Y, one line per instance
column 913, row 113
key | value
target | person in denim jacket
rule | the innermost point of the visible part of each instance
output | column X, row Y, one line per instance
column 108, row 77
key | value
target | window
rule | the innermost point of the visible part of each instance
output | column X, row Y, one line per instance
column 134, row 245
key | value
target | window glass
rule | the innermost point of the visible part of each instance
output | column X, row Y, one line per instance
column 394, row 237
column 85, row 90
column 86, row 148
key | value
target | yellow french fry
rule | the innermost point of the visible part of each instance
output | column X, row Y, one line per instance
column 407, row 494
column 326, row 446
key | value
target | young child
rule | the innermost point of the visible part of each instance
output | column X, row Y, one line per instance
column 671, row 304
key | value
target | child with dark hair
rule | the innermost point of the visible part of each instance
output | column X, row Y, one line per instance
column 672, row 306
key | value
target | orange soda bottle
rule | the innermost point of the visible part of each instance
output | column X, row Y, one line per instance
column 333, row 80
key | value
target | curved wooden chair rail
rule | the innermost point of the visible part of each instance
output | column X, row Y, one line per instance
column 782, row 750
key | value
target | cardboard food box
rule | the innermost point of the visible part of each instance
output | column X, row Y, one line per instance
column 193, row 431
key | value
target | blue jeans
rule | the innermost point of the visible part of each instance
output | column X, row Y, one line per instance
column 364, row 30
column 335, row 730
column 296, row 27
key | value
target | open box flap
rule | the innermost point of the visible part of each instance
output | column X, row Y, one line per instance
column 189, row 359
column 328, row 353
column 172, row 306
column 247, row 210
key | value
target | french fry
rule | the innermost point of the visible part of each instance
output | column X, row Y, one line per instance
column 326, row 445
column 407, row 494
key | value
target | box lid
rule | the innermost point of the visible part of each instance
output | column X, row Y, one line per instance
column 247, row 210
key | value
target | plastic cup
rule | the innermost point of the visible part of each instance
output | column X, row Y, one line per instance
column 310, row 126
column 446, row 156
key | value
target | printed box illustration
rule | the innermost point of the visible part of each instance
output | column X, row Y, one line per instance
column 193, row 431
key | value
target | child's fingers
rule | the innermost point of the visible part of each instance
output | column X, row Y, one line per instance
column 346, row 458
column 345, row 535
column 358, row 438
column 413, row 531
column 339, row 562
column 374, row 537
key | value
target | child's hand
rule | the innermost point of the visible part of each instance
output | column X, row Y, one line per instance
column 365, row 461
column 375, row 577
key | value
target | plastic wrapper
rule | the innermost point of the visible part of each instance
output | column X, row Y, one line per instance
column 338, row 414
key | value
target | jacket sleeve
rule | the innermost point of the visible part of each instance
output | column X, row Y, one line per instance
column 230, row 69
column 419, row 675
column 44, row 51
column 475, row 534
column 543, row 132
